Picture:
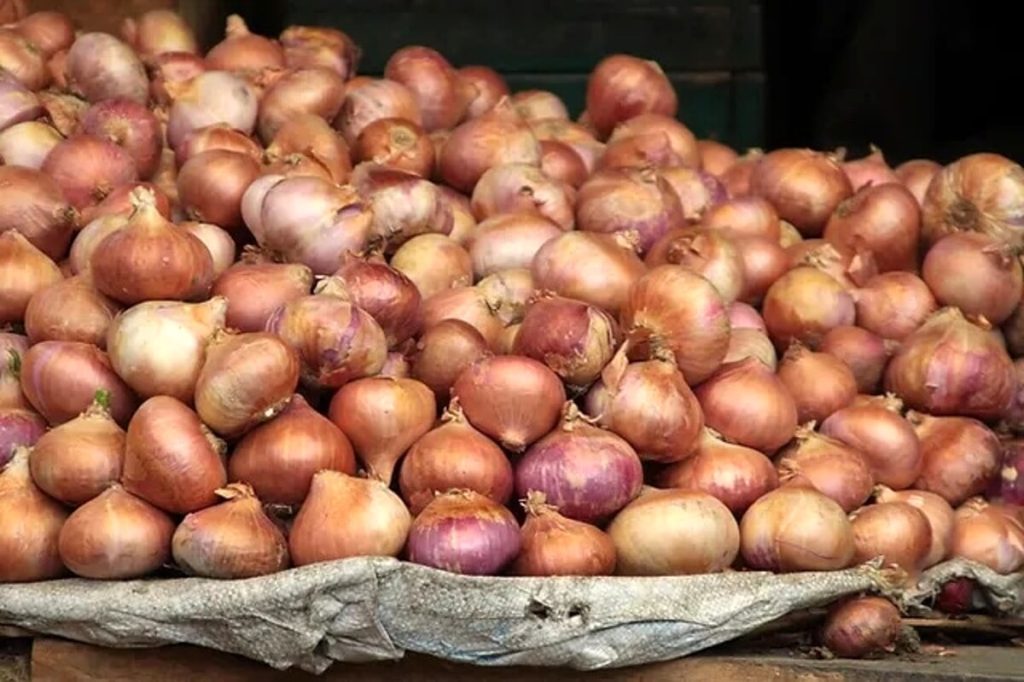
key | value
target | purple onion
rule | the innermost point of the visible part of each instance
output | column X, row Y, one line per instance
column 17, row 104
column 639, row 204
column 464, row 532
column 18, row 427
column 587, row 473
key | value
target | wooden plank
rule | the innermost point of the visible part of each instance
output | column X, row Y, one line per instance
column 62, row 661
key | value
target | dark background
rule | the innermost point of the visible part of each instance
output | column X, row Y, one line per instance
column 918, row 78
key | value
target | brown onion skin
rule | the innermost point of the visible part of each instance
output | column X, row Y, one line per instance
column 896, row 531
column 636, row 203
column 744, row 217
column 820, row 384
column 916, row 175
column 88, row 168
column 882, row 219
column 396, row 143
column 704, row 252
column 746, row 403
column 129, row 125
column 987, row 535
column 735, row 475
column 434, row 83
column 60, row 379
column 79, row 459
column 116, row 536
column 30, row 528
column 674, row 532
column 211, row 185
column 606, row 283
column 255, row 290
column 454, row 456
column 866, row 354
column 805, row 187
column 434, row 263
column 553, row 545
column 26, row 271
column 894, row 304
column 386, row 294
column 764, row 262
column 234, row 539
column 509, row 292
column 950, row 366
column 750, row 343
column 279, row 458
column 977, row 193
column 514, row 400
column 827, row 465
column 443, row 352
column 796, row 529
column 35, row 206
column 885, row 439
column 976, row 273
column 243, row 51
column 805, row 304
column 644, row 150
column 716, row 157
column 487, row 87
column 936, row 510
column 372, row 100
column 622, row 87
column 246, row 380
column 560, row 162
column 468, row 304
column 649, row 405
column 464, row 532
column 49, row 32
column 681, row 312
column 859, row 627
column 70, row 310
column 961, row 456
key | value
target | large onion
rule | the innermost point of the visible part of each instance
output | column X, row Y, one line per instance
column 210, row 98
column 936, row 510
column 804, row 304
column 805, row 187
column 988, row 536
column 385, row 293
column 317, row 91
column 372, row 100
column 439, row 92
column 486, row 88
column 976, row 273
column 882, row 219
column 255, row 290
column 88, row 168
column 70, row 310
column 522, row 188
column 894, row 304
column 866, row 354
column 961, row 456
column 30, row 526
column 622, row 86
column 896, row 531
column 556, row 545
column 744, row 217
column 885, row 439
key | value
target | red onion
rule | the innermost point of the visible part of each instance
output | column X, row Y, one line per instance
column 820, row 384
column 622, row 86
column 385, row 293
column 976, row 273
column 306, row 47
column 35, row 206
column 487, row 87
column 961, row 456
column 704, row 252
column 894, row 304
column 88, row 168
column 644, row 150
column 804, row 186
column 578, row 138
column 210, row 98
column 882, row 219
column 244, row 51
column 99, row 67
column 829, row 466
column 804, row 305
column 866, row 354
column 638, row 204
column 863, row 626
column 439, row 92
column 130, row 126
column 736, row 177
column 916, row 175
column 373, row 100
column 119, row 202
column 306, row 91
column 18, row 428
column 157, row 32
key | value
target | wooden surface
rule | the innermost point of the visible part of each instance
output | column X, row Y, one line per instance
column 55, row 660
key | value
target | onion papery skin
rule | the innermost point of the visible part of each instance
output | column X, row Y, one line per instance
column 522, row 188
column 210, row 98
column 469, row 304
column 99, row 67
column 88, row 168
column 434, row 82
column 509, row 240
column 244, row 51
column 372, row 100
column 744, row 217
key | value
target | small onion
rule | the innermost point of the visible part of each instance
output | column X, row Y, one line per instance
column 372, row 100
column 211, row 185
column 64, row 110
column 70, row 310
column 804, row 304
column 280, row 457
column 129, row 125
column 316, row 46
column 255, row 290
column 560, row 162
column 468, row 304
column 896, row 531
column 535, row 105
column 698, row 191
column 24, row 271
column 961, row 456
column 764, row 262
column 744, row 217
column 938, row 512
column 218, row 136
column 821, row 384
column 644, row 150
column 509, row 241
column 171, row 69
column 30, row 526
column 894, row 304
column 986, row 535
column 99, row 67
column 49, row 32
column 88, row 168
column 736, row 177
column 434, row 263
column 554, row 545
column 622, row 87
column 443, row 352
column 386, row 294
column 866, row 354
column 805, row 187
column 318, row 92
column 705, row 252
column 868, row 170
column 828, row 466
column 976, row 273
column 487, row 89
column 578, row 138
column 396, row 143
column 885, row 439
column 674, row 532
column 858, row 627
column 638, row 204
column 242, row 50
column 882, row 219
column 716, row 157
column 509, row 292
column 796, row 529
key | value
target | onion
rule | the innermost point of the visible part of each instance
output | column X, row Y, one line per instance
column 862, row 626
column 553, row 545
column 403, row 205
column 1013, row 331
column 735, row 475
column 497, row 137
column 17, row 104
column 383, row 417
column 513, row 399
column 12, row 11
column 87, row 168
column 218, row 136
column 312, row 221
column 522, row 188
column 956, row 596
column 916, row 175
column 439, row 92
column 882, row 219
column 674, row 532
column 172, row 68
column 373, row 100
column 744, row 217
column 60, row 378
column 984, row 534
column 244, row 51
column 48, row 32
column 764, row 262
column 396, row 143
column 638, row 204
column 158, row 31
column 1010, row 479
column 622, row 87
column 804, row 186
column 846, row 266
column 576, row 137
column 864, row 353
column 508, row 293
column 644, row 150
column 561, row 163
column 383, row 292
column 22, row 61
column 704, row 252
column 789, row 235
column 796, row 529
column 70, row 310
column 961, row 456
column 443, row 352
column 745, row 316
column 64, row 110
column 18, row 427
column 736, row 177
column 211, row 185
column 509, row 241
column 24, row 270
column 246, row 380
column 827, row 465
column 99, row 67
column 751, row 343
column 952, row 366
column 28, row 144
column 977, row 193
column 605, row 282
column 12, row 348
column 119, row 202
column 30, row 526
column 749, row 405
column 820, row 384
column 805, row 304
column 697, row 190
column 468, row 304
column 486, row 89
column 434, row 263
column 211, row 97
column 125, row 263
column 975, row 273
column 894, row 304
column 79, row 459
column 886, row 440
column 217, row 241
column 344, row 517
column 317, row 91
column 255, row 290
column 171, row 459
column 716, row 157
column 232, row 540
column 896, row 531
column 676, row 310
column 936, row 510
column 871, row 170
column 159, row 347
column 463, row 222
column 129, row 125
column 116, row 536
column 315, row 46
column 454, row 456
column 536, row 105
